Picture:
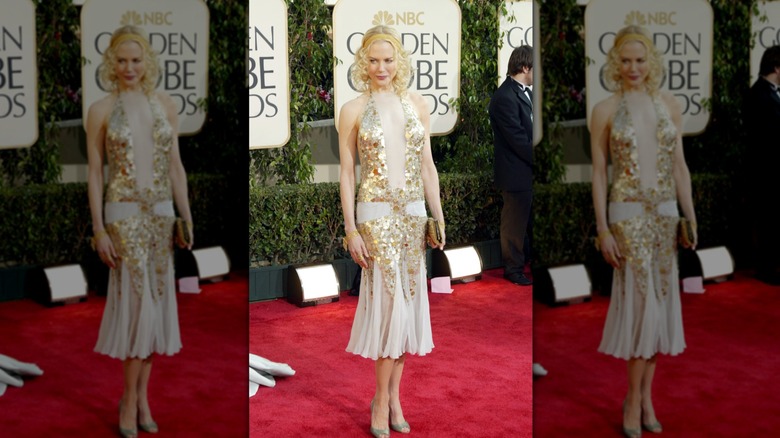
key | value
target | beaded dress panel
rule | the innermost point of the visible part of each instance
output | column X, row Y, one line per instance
column 141, row 315
column 392, row 316
column 644, row 316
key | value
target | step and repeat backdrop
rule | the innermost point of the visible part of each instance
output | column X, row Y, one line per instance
column 177, row 29
column 682, row 33
column 430, row 31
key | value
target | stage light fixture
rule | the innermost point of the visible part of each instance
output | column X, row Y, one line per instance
column 716, row 263
column 460, row 264
column 66, row 284
column 212, row 262
column 562, row 284
column 571, row 283
column 312, row 285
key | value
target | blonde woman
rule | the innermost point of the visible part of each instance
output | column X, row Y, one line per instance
column 134, row 129
column 640, row 127
column 389, row 128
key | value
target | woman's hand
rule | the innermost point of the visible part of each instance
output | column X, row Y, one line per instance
column 609, row 249
column 443, row 240
column 357, row 249
column 105, row 249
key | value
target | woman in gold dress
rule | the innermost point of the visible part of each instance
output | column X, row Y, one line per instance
column 640, row 126
column 134, row 128
column 389, row 128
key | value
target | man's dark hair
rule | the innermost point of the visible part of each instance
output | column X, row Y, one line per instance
column 770, row 60
column 521, row 57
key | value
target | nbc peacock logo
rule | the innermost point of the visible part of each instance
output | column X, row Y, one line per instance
column 635, row 18
column 131, row 17
column 384, row 18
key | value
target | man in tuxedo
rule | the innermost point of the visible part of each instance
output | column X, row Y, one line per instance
column 762, row 119
column 511, row 119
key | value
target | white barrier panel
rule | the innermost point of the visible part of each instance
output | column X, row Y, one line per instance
column 269, row 74
column 18, row 75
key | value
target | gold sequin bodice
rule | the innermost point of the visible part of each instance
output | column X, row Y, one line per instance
column 626, row 184
column 374, row 185
column 122, row 185
column 396, row 237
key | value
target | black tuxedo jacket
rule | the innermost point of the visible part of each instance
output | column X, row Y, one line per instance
column 510, row 118
column 762, row 119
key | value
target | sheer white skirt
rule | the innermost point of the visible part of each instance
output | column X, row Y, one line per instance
column 644, row 316
column 140, row 316
column 389, row 323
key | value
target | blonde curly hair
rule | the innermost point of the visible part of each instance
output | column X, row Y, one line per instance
column 611, row 71
column 403, row 74
column 120, row 36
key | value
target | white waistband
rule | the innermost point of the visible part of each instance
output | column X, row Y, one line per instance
column 620, row 211
column 117, row 211
column 368, row 211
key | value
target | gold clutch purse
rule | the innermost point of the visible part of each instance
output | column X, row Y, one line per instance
column 181, row 233
column 433, row 231
column 686, row 233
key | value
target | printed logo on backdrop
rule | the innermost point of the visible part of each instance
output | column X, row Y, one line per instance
column 518, row 28
column 18, row 75
column 269, row 75
column 765, row 34
column 682, row 33
column 429, row 30
column 178, row 30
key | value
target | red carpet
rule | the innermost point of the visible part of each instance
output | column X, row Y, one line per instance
column 725, row 384
column 475, row 383
column 200, row 392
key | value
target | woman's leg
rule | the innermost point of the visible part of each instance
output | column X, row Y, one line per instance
column 128, row 415
column 397, row 416
column 633, row 407
column 648, row 413
column 380, row 416
column 144, row 412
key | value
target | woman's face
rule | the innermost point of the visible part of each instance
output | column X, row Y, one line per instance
column 633, row 65
column 129, row 66
column 381, row 65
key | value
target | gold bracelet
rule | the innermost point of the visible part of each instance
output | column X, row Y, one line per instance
column 347, row 238
column 604, row 234
column 99, row 235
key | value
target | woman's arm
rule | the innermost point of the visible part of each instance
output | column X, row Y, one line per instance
column 176, row 172
column 96, row 133
column 430, row 175
column 599, row 144
column 680, row 172
column 347, row 157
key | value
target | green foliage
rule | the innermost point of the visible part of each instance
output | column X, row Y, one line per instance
column 311, row 92
column 46, row 224
column 563, row 69
column 302, row 223
column 720, row 148
column 469, row 148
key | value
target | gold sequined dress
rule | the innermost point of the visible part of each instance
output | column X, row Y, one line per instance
column 644, row 316
column 140, row 317
column 392, row 315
